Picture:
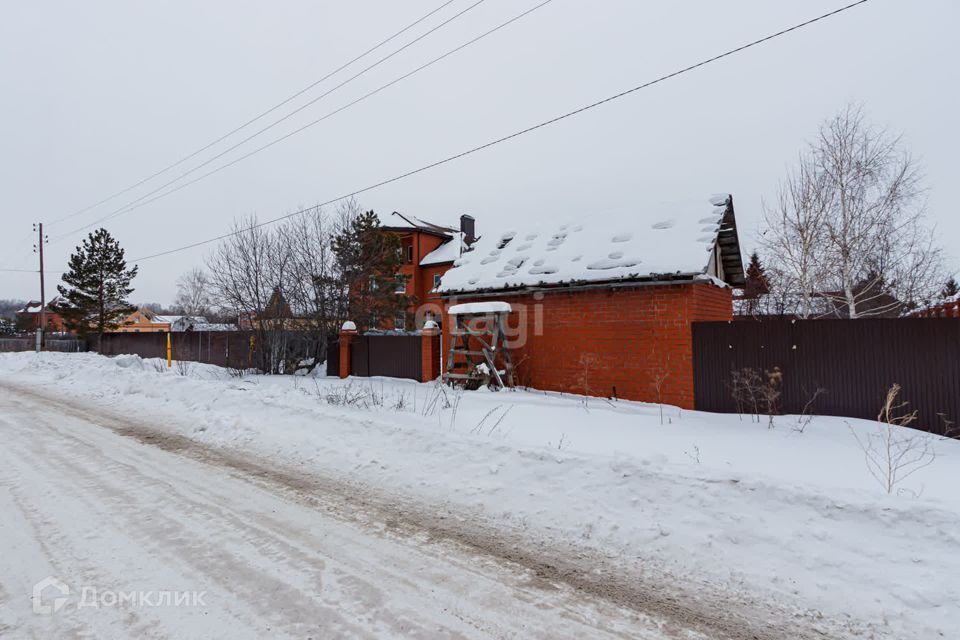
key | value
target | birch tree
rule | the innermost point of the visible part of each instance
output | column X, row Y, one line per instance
column 849, row 227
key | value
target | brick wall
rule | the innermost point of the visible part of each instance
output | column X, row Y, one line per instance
column 943, row 310
column 612, row 341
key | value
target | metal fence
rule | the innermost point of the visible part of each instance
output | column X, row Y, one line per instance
column 17, row 344
column 333, row 356
column 72, row 345
column 274, row 351
column 234, row 349
column 855, row 362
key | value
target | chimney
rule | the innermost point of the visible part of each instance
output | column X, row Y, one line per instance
column 468, row 228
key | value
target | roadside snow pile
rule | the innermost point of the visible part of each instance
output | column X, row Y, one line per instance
column 775, row 514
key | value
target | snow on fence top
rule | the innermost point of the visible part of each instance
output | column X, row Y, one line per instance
column 479, row 307
column 662, row 240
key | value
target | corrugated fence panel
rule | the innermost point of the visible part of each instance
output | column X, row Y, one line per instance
column 333, row 356
column 854, row 361
column 389, row 355
column 396, row 356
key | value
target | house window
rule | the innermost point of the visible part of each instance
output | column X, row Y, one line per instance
column 400, row 322
column 436, row 280
column 410, row 253
column 401, row 285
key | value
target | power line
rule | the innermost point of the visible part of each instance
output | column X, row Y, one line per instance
column 135, row 204
column 517, row 134
column 146, row 199
column 258, row 117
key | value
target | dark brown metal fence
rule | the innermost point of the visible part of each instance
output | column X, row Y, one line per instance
column 388, row 355
column 854, row 361
column 223, row 348
column 333, row 356
column 70, row 345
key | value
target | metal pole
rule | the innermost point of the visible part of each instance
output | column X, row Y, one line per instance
column 43, row 300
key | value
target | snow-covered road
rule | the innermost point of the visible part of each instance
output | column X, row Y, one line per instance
column 134, row 526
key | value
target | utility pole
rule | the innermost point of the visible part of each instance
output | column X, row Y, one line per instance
column 38, row 248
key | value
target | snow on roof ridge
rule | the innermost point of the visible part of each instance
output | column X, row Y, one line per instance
column 419, row 223
column 492, row 306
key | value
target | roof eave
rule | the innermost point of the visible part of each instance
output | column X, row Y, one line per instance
column 657, row 279
column 728, row 241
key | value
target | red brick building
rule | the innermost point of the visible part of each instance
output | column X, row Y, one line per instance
column 604, row 307
column 428, row 251
column 28, row 318
column 945, row 309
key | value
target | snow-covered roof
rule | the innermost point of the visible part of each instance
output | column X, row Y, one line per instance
column 208, row 326
column 447, row 252
column 34, row 305
column 660, row 241
column 399, row 221
column 468, row 308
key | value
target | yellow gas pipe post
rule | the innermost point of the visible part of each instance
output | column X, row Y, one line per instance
column 169, row 352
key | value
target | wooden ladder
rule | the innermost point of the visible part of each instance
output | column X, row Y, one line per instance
column 492, row 339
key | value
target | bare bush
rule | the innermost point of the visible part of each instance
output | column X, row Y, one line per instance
column 758, row 394
column 807, row 414
column 770, row 394
column 183, row 367
column 659, row 377
column 895, row 452
column 745, row 387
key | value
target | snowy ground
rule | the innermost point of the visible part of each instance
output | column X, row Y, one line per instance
column 705, row 522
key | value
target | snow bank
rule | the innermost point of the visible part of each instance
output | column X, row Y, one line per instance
column 778, row 515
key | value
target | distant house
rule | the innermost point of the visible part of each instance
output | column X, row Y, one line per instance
column 428, row 251
column 144, row 320
column 276, row 315
column 195, row 323
column 28, row 318
column 604, row 305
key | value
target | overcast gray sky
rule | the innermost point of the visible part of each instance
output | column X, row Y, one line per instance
column 98, row 95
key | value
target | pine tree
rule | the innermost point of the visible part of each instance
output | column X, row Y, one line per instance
column 756, row 281
column 369, row 260
column 95, row 300
column 950, row 289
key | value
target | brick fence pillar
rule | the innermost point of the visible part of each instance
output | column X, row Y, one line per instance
column 347, row 331
column 429, row 352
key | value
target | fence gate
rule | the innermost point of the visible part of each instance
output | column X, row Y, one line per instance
column 333, row 356
column 388, row 355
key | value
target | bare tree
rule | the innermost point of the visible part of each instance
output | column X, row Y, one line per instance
column 795, row 238
column 193, row 293
column 248, row 270
column 849, row 227
column 313, row 287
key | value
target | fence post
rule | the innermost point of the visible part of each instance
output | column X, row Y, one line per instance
column 429, row 360
column 347, row 331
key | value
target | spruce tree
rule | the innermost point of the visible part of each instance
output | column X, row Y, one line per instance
column 756, row 281
column 369, row 260
column 950, row 289
column 98, row 284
